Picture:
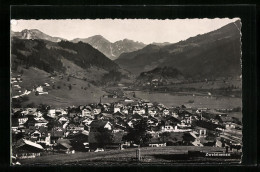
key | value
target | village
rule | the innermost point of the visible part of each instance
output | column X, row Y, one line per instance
column 129, row 123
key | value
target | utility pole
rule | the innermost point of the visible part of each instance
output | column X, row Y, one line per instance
column 138, row 154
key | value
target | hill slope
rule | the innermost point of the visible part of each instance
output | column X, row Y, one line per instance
column 213, row 54
column 111, row 50
column 74, row 72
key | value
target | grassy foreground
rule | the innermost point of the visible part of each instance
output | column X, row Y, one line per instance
column 160, row 155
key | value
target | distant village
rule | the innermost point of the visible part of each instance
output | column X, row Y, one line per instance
column 121, row 125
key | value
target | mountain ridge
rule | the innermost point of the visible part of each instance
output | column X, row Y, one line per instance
column 35, row 34
column 213, row 54
column 111, row 50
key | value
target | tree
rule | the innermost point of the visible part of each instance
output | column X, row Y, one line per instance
column 70, row 87
column 187, row 138
column 138, row 134
column 103, row 137
column 165, row 135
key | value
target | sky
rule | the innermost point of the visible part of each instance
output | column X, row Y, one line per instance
column 142, row 30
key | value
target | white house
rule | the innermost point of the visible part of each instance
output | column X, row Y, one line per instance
column 52, row 113
column 40, row 122
column 168, row 128
column 166, row 112
column 39, row 89
column 96, row 111
column 117, row 109
column 152, row 112
column 86, row 112
column 139, row 111
column 125, row 111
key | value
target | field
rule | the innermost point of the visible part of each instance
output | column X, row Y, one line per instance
column 83, row 92
column 160, row 155
column 198, row 100
column 59, row 94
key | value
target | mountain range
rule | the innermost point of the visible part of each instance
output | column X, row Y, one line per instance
column 74, row 59
column 35, row 34
column 92, row 63
column 111, row 50
column 213, row 54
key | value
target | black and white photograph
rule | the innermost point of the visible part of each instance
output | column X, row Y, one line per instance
column 126, row 91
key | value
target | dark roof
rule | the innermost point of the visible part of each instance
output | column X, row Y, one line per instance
column 226, row 119
column 98, row 124
column 136, row 116
column 63, row 141
column 28, row 145
column 118, row 114
column 88, row 107
column 155, row 128
column 64, row 145
column 79, row 136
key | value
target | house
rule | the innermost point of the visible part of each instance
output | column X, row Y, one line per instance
column 136, row 116
column 61, row 112
column 117, row 109
column 40, row 122
column 56, row 132
column 39, row 89
column 97, row 140
column 166, row 112
column 118, row 114
column 79, row 141
column 125, row 111
column 86, row 112
column 22, row 119
column 139, row 111
column 155, row 142
column 153, row 121
column 24, row 149
column 15, row 124
column 96, row 111
column 35, row 122
column 168, row 128
column 128, row 100
column 151, row 111
column 229, row 125
column 225, row 119
column 63, row 145
column 52, row 113
column 97, row 125
column 104, row 116
column 202, row 132
column 87, row 121
column 63, row 119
